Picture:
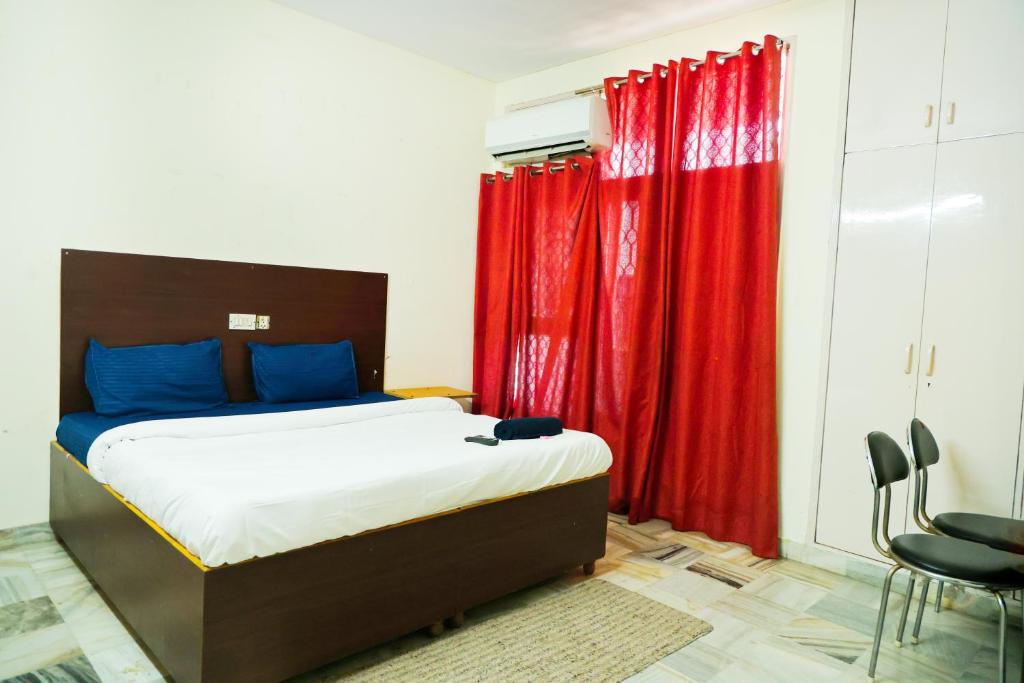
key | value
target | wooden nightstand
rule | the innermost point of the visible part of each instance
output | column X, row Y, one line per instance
column 427, row 392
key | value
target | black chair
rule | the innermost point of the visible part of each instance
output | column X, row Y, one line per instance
column 996, row 532
column 952, row 560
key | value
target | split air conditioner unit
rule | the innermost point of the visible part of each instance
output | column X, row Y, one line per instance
column 546, row 131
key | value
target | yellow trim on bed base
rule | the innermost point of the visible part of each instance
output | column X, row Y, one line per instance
column 141, row 515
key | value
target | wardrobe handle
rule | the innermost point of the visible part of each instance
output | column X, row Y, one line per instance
column 910, row 359
column 951, row 115
column 928, row 111
column 931, row 361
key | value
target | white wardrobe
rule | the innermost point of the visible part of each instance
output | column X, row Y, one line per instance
column 928, row 307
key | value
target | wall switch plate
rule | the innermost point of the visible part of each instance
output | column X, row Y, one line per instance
column 241, row 321
column 262, row 322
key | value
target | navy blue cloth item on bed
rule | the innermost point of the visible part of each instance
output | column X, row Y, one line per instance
column 157, row 378
column 77, row 431
column 304, row 372
column 527, row 428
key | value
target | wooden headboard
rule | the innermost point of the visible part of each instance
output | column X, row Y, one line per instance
column 127, row 299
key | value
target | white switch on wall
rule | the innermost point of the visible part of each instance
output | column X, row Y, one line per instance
column 241, row 321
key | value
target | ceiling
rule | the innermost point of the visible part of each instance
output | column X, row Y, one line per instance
column 502, row 39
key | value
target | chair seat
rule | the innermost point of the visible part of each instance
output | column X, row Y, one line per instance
column 959, row 559
column 996, row 532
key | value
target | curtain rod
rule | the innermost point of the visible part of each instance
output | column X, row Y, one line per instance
column 693, row 65
column 535, row 170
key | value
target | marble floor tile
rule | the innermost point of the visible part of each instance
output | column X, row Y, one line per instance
column 773, row 620
column 658, row 673
column 29, row 615
column 730, row 574
column 18, row 581
column 126, row 663
column 785, row 591
column 634, row 576
column 92, row 621
column 675, row 555
column 698, row 588
column 695, row 539
column 962, row 625
column 38, row 649
column 757, row 611
column 22, row 538
column 893, row 666
column 698, row 661
column 855, row 616
column 805, row 573
column 77, row 670
column 656, row 567
column 985, row 665
column 634, row 539
column 673, row 600
column 654, row 527
column 774, row 659
column 729, row 634
column 825, row 637
column 940, row 649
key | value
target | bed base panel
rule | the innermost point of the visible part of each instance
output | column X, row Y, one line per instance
column 273, row 617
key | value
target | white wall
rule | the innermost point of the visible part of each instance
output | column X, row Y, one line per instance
column 816, row 30
column 235, row 129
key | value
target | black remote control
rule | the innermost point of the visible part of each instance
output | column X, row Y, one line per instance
column 484, row 440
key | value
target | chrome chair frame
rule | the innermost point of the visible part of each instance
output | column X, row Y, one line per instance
column 924, row 523
column 885, row 550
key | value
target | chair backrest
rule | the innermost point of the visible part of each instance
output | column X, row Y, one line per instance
column 924, row 451
column 886, row 459
column 922, row 444
column 888, row 465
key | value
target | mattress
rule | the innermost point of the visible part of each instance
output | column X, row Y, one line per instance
column 231, row 488
column 77, row 431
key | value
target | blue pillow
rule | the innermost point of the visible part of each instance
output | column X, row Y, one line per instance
column 159, row 378
column 304, row 372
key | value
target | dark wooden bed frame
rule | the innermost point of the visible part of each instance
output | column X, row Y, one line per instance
column 273, row 617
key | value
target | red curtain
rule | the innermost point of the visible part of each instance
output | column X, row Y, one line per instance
column 635, row 297
column 537, row 269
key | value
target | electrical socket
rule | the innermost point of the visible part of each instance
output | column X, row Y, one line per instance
column 241, row 321
column 262, row 322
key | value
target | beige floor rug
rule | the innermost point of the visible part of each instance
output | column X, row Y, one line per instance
column 594, row 631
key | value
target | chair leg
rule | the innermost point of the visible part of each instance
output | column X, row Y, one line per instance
column 906, row 609
column 1002, row 635
column 938, row 599
column 881, row 619
column 920, row 612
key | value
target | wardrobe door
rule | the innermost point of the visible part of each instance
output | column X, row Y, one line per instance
column 972, row 371
column 895, row 73
column 880, row 269
column 983, row 79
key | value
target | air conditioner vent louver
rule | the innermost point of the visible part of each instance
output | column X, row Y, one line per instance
column 578, row 124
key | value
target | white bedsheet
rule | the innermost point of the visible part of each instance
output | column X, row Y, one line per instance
column 237, row 487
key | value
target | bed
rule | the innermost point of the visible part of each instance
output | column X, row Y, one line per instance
column 379, row 520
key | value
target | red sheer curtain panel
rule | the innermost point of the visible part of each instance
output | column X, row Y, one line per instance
column 689, row 206
column 536, row 262
column 499, row 232
column 634, row 295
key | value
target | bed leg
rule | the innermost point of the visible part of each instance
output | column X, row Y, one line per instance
column 436, row 629
column 456, row 620
column 588, row 568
